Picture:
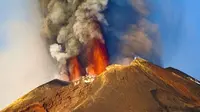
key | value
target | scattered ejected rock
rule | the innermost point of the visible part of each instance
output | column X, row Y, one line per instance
column 139, row 87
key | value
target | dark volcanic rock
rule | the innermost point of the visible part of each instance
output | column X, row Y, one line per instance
column 140, row 87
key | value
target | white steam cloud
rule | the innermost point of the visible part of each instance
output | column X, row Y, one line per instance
column 24, row 62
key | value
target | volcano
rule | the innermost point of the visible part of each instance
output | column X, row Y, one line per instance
column 138, row 87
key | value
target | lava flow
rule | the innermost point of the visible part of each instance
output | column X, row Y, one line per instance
column 97, row 61
column 97, row 57
column 74, row 69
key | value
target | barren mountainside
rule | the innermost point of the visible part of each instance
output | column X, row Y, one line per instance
column 139, row 87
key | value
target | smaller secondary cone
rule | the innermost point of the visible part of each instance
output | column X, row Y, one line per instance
column 139, row 87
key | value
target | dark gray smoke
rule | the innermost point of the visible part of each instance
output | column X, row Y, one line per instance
column 70, row 24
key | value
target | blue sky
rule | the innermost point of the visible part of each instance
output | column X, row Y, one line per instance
column 188, row 56
column 180, row 35
column 178, row 21
column 179, row 25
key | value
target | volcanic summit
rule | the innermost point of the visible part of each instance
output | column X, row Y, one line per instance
column 138, row 87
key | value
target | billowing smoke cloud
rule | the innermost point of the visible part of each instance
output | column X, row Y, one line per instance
column 123, row 25
column 24, row 60
column 71, row 25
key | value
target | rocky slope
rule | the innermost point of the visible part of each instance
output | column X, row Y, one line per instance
column 139, row 87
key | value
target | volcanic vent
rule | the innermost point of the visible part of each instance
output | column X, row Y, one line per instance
column 79, row 34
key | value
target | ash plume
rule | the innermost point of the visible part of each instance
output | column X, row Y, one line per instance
column 130, row 33
column 69, row 26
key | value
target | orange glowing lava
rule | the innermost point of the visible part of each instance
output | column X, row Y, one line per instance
column 97, row 57
column 74, row 69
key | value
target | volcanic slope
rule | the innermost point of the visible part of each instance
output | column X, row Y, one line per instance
column 139, row 87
